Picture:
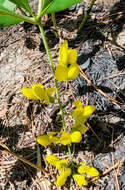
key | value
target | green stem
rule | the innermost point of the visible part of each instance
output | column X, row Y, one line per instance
column 55, row 81
column 70, row 154
column 54, row 23
column 53, row 69
column 86, row 15
column 42, row 12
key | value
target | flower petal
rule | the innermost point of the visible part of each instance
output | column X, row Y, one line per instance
column 73, row 71
column 44, row 140
column 39, row 91
column 88, row 110
column 61, row 180
column 61, row 73
column 76, row 137
column 50, row 91
column 61, row 164
column 80, row 180
column 28, row 93
column 78, row 103
column 91, row 171
column 65, row 138
column 52, row 159
column 63, row 53
column 79, row 127
column 72, row 56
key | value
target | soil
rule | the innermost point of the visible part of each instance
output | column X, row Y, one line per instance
column 23, row 62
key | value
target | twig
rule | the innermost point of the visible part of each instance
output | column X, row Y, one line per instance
column 99, row 90
column 93, row 132
column 117, row 165
column 21, row 158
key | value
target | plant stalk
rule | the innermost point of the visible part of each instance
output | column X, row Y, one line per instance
column 86, row 15
column 53, row 70
column 55, row 81
column 54, row 24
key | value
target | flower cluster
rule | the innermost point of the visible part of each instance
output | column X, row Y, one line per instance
column 65, row 170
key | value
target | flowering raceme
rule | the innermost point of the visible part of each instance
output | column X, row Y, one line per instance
column 67, row 68
column 38, row 92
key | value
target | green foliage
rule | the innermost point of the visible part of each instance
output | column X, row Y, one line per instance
column 8, row 17
column 8, row 5
column 22, row 4
column 7, row 8
column 60, row 5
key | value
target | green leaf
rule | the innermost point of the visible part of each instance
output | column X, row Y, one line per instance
column 46, row 4
column 7, row 4
column 7, row 17
column 23, row 4
column 58, row 5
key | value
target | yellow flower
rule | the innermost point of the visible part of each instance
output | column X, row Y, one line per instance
column 79, row 127
column 46, row 140
column 67, row 138
column 80, row 114
column 61, row 164
column 67, row 68
column 38, row 92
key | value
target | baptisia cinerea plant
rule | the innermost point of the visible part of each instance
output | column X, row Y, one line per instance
column 67, row 168
column 67, row 69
